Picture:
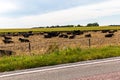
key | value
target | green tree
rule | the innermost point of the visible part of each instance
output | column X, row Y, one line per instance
column 92, row 24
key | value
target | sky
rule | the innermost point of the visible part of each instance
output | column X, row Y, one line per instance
column 38, row 13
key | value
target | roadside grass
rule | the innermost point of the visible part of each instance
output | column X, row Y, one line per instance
column 69, row 55
column 59, row 29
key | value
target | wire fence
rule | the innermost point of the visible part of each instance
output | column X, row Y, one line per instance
column 43, row 47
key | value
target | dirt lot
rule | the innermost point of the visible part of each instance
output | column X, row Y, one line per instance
column 39, row 44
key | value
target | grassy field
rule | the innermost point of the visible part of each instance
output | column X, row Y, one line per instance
column 68, row 55
column 57, row 57
column 61, row 29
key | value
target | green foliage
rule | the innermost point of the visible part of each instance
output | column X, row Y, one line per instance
column 92, row 24
column 79, row 25
column 68, row 55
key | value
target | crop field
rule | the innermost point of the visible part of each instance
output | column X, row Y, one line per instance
column 61, row 29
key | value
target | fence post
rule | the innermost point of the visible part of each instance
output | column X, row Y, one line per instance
column 29, row 47
column 89, row 42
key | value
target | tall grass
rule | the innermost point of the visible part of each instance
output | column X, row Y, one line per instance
column 68, row 55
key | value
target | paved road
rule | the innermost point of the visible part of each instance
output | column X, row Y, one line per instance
column 66, row 71
column 107, row 76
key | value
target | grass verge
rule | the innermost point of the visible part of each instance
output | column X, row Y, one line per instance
column 57, row 57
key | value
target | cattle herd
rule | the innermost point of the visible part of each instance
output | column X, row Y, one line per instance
column 24, row 37
column 72, row 34
column 7, row 37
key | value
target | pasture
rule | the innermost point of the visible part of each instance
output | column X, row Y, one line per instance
column 41, row 42
column 22, row 48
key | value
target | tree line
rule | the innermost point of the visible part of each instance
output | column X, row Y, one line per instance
column 59, row 26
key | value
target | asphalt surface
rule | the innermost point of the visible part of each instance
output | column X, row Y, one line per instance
column 70, row 71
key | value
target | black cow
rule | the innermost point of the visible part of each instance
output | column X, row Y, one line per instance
column 63, row 36
column 5, row 52
column 7, row 41
column 15, row 34
column 112, row 31
column 71, row 36
column 23, row 40
column 30, row 33
column 51, row 34
column 77, row 32
column 41, row 33
column 69, row 32
column 88, row 35
column 26, row 35
column 95, row 30
column 109, row 35
column 105, row 31
column 47, row 36
column 7, row 38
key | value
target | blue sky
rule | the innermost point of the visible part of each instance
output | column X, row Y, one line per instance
column 33, row 13
column 34, row 7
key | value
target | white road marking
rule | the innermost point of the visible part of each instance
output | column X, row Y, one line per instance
column 56, row 68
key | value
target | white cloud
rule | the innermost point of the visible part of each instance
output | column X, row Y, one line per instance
column 6, row 6
column 67, row 16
